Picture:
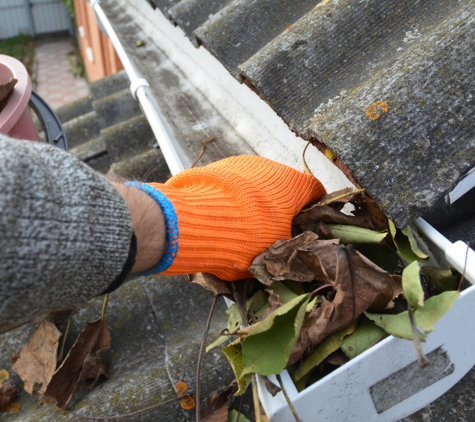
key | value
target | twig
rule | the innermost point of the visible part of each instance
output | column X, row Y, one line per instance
column 245, row 322
column 289, row 402
column 321, row 288
column 127, row 415
column 203, row 150
column 305, row 166
column 464, row 267
column 255, row 398
column 421, row 357
column 239, row 410
column 200, row 356
column 331, row 200
column 104, row 304
column 63, row 344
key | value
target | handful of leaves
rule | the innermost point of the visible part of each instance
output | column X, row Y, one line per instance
column 343, row 283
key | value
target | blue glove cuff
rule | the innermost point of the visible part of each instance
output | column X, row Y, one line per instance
column 171, row 221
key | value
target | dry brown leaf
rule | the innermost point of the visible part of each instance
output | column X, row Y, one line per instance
column 337, row 358
column 331, row 215
column 83, row 361
column 8, row 392
column 344, row 193
column 368, row 207
column 210, row 282
column 270, row 386
column 216, row 407
column 274, row 301
column 281, row 262
column 320, row 257
column 397, row 285
column 359, row 285
column 37, row 361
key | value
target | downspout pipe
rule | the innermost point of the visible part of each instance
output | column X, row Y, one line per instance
column 140, row 90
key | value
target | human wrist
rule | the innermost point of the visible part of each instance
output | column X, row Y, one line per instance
column 148, row 224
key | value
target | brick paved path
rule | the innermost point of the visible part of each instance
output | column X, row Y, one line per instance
column 54, row 80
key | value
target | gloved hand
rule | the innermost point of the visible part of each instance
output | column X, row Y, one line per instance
column 221, row 216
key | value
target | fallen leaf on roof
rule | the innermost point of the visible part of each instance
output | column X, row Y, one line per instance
column 4, row 376
column 36, row 363
column 8, row 392
column 84, row 361
column 210, row 282
column 216, row 407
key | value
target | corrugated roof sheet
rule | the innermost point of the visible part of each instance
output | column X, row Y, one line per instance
column 243, row 27
column 190, row 14
column 387, row 85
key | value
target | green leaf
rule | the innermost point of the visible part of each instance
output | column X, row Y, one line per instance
column 311, row 304
column 220, row 340
column 268, row 344
column 411, row 285
column 425, row 318
column 285, row 294
column 323, row 350
column 233, row 415
column 257, row 304
column 233, row 353
column 414, row 246
column 367, row 334
column 302, row 382
column 354, row 235
column 443, row 280
column 234, row 318
column 294, row 286
column 406, row 244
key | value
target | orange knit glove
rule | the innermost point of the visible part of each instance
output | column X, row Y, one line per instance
column 228, row 212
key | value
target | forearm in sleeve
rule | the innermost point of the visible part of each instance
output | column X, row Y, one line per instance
column 65, row 232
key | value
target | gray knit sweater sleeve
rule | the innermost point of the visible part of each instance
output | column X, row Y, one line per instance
column 65, row 231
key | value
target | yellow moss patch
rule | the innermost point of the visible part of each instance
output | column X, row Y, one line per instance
column 329, row 154
column 375, row 110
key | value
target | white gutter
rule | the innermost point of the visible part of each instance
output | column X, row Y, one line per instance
column 140, row 89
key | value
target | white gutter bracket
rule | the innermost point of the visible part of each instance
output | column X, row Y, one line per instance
column 136, row 84
column 459, row 255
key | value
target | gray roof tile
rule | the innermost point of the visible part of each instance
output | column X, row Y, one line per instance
column 243, row 27
column 190, row 14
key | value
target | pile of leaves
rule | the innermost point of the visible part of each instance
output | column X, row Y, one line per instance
column 48, row 378
column 346, row 280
